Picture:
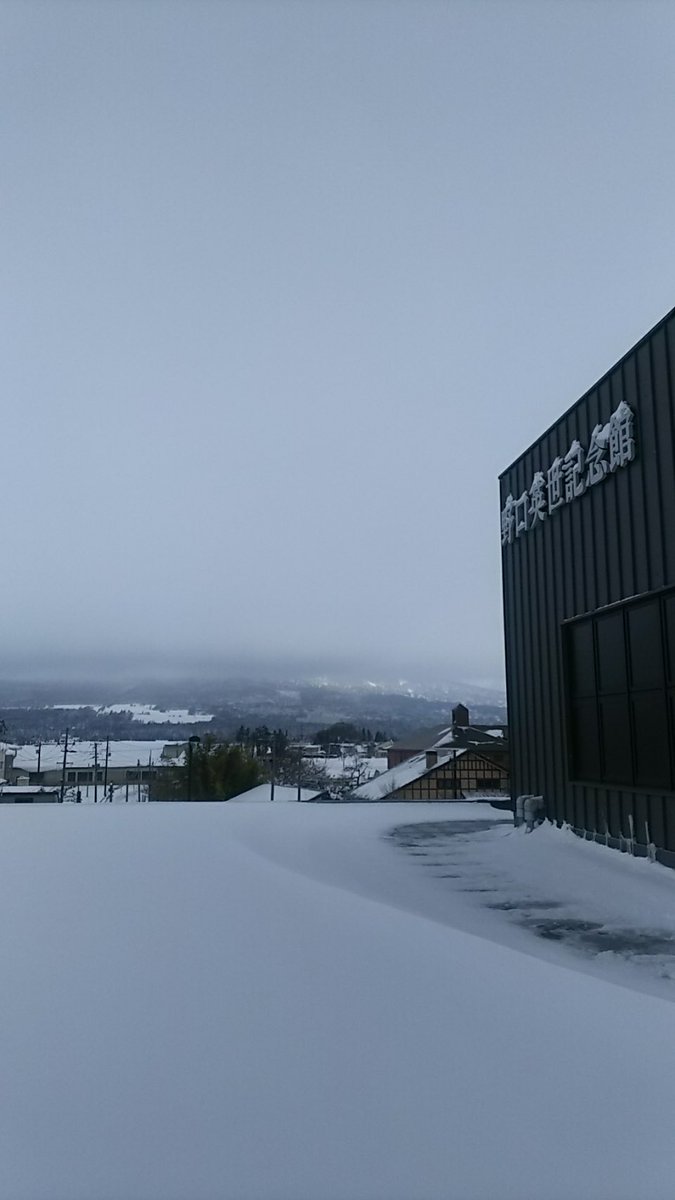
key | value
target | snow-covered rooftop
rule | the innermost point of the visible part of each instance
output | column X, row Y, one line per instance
column 401, row 775
column 25, row 789
column 438, row 736
column 81, row 754
column 283, row 795
column 444, row 738
column 348, row 764
column 281, row 1001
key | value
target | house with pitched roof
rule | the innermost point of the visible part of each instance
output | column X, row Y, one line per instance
column 458, row 773
column 489, row 741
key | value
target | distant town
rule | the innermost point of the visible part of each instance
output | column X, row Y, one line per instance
column 289, row 740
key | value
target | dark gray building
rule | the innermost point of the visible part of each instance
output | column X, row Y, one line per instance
column 588, row 560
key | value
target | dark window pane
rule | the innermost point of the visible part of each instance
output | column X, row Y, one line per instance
column 615, row 727
column 584, row 740
column 652, row 757
column 611, row 653
column 646, row 650
column 580, row 658
column 669, row 612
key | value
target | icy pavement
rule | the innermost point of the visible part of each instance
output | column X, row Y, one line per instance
column 611, row 911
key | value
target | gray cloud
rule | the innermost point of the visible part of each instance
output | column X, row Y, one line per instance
column 285, row 287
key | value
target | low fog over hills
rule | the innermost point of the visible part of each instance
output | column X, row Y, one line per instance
column 178, row 708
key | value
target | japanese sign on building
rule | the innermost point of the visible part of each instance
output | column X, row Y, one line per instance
column 612, row 446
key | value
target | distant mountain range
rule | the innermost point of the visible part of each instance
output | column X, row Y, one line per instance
column 185, row 707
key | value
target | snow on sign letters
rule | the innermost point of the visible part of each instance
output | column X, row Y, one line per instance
column 612, row 446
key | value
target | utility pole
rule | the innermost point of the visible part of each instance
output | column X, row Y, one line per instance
column 274, row 767
column 95, row 772
column 192, row 742
column 39, row 755
column 63, row 769
column 299, row 774
column 105, row 773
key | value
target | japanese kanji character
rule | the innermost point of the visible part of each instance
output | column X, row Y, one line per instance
column 554, row 485
column 508, row 521
column 597, row 461
column 521, row 513
column 621, row 439
column 538, row 510
column 573, row 472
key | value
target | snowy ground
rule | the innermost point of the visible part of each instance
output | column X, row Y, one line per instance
column 81, row 754
column 122, row 793
column 322, row 1002
column 145, row 713
column 615, row 914
column 149, row 714
column 361, row 766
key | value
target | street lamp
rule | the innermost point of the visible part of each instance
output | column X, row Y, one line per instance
column 192, row 742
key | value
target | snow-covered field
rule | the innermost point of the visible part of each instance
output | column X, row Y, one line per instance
column 289, row 1003
column 81, row 754
column 361, row 767
column 145, row 713
column 85, row 754
column 149, row 713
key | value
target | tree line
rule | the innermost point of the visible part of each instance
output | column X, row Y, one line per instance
column 210, row 770
column 216, row 770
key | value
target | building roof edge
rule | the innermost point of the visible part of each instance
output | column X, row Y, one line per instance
column 654, row 329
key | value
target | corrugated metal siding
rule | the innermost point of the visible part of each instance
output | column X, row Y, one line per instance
column 615, row 541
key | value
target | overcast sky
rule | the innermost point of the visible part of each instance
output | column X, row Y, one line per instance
column 285, row 286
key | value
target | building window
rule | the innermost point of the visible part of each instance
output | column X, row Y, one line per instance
column 620, row 693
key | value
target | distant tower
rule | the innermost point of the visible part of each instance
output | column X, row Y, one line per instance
column 460, row 716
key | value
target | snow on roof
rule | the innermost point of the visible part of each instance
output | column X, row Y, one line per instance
column 422, row 739
column 24, row 789
column 284, row 795
column 81, row 754
column 445, row 737
column 340, row 768
column 401, row 775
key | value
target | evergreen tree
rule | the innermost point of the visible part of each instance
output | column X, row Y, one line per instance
column 219, row 771
column 336, row 734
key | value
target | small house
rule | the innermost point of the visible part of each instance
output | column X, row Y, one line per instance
column 456, row 774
